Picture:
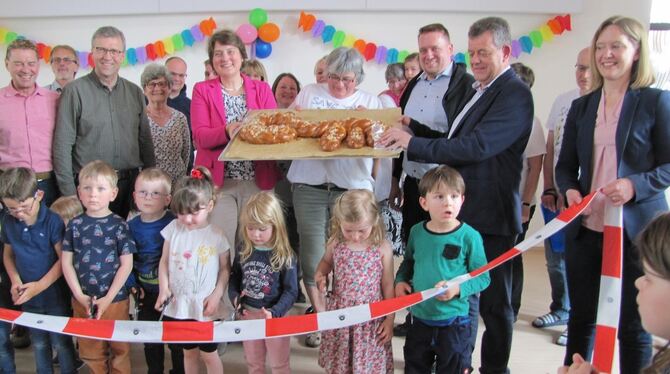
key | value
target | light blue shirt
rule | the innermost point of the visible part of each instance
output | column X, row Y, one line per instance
column 425, row 105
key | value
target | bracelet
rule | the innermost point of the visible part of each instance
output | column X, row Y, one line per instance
column 550, row 191
column 525, row 204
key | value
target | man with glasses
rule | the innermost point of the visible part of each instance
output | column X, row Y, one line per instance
column 177, row 98
column 106, row 115
column 485, row 143
column 64, row 63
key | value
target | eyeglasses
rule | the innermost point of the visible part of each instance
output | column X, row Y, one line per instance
column 103, row 51
column 151, row 194
column 344, row 80
column 159, row 84
column 65, row 60
column 22, row 209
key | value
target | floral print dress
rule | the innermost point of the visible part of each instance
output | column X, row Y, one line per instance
column 357, row 280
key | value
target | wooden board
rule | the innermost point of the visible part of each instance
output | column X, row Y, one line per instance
column 306, row 148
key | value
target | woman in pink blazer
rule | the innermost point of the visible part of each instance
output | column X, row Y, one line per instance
column 217, row 107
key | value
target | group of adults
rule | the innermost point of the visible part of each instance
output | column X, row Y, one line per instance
column 612, row 140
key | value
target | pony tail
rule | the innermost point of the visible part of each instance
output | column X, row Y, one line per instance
column 193, row 191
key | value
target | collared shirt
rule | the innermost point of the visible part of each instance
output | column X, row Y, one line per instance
column 479, row 91
column 26, row 128
column 55, row 86
column 425, row 106
column 96, row 123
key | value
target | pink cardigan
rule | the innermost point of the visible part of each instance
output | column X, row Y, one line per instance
column 208, row 121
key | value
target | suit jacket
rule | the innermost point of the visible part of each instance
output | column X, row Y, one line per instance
column 643, row 152
column 457, row 95
column 208, row 120
column 487, row 149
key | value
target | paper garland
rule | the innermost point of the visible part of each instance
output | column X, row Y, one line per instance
column 383, row 55
column 142, row 54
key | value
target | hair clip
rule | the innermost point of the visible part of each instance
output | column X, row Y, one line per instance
column 196, row 174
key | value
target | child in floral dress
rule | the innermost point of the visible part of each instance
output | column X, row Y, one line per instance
column 361, row 260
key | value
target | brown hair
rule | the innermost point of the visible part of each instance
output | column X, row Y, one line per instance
column 524, row 73
column 435, row 27
column 441, row 175
column 356, row 206
column 18, row 184
column 251, row 67
column 642, row 73
column 193, row 192
column 225, row 37
column 21, row 44
column 67, row 207
column 67, row 48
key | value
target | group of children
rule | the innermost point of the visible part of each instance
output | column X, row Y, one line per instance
column 177, row 265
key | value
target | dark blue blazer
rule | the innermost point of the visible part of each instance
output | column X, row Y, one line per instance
column 643, row 152
column 487, row 149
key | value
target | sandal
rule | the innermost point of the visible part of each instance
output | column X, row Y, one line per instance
column 548, row 320
column 313, row 340
column 562, row 339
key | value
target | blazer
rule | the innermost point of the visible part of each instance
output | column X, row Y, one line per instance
column 208, row 121
column 457, row 95
column 643, row 152
column 487, row 149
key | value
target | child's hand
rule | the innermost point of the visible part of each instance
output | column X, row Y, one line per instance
column 579, row 366
column 402, row 289
column 138, row 292
column 15, row 291
column 162, row 296
column 385, row 330
column 321, row 281
column 26, row 292
column 102, row 304
column 256, row 314
column 85, row 301
column 450, row 293
column 266, row 313
column 211, row 303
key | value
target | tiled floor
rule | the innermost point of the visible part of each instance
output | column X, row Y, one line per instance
column 533, row 350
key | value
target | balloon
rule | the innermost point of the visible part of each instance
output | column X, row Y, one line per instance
column 459, row 58
column 263, row 49
column 89, row 58
column 536, row 38
column 526, row 44
column 516, row 48
column 318, row 28
column 187, row 37
column 348, row 41
column 370, row 50
column 565, row 22
column 3, row 33
column 197, row 33
column 269, row 32
column 258, row 17
column 131, row 56
column 83, row 59
column 392, row 56
column 338, row 38
column 380, row 54
column 207, row 26
column 554, row 25
column 403, row 55
column 328, row 33
column 178, row 42
column 247, row 33
column 160, row 48
column 40, row 50
column 306, row 21
column 10, row 37
column 124, row 62
column 151, row 51
column 169, row 47
column 141, row 54
column 547, row 35
column 360, row 46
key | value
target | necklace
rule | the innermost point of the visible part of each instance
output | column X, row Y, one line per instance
column 234, row 89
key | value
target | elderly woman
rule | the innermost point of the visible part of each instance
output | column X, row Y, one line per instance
column 616, row 142
column 217, row 107
column 395, row 79
column 169, row 127
column 318, row 182
column 285, row 88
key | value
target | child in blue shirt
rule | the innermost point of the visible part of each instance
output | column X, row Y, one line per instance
column 152, row 196
column 32, row 237
column 97, row 259
column 438, row 250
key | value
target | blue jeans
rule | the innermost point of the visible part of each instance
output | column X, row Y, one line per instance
column 44, row 341
column 583, row 259
column 6, row 350
column 560, row 301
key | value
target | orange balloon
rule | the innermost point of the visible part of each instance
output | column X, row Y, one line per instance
column 268, row 32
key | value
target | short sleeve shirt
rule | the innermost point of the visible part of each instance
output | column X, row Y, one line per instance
column 98, row 244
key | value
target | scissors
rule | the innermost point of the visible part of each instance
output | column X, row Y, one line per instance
column 136, row 308
column 165, row 304
column 92, row 308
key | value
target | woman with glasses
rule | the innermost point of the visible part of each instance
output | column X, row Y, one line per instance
column 317, row 183
column 169, row 127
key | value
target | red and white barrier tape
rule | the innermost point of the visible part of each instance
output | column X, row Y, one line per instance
column 215, row 331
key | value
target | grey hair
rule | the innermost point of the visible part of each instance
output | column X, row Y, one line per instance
column 343, row 60
column 109, row 32
column 155, row 71
column 396, row 71
column 498, row 27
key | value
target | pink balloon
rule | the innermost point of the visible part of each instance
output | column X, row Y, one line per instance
column 247, row 33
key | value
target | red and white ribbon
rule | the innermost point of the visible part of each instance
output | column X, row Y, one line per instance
column 215, row 331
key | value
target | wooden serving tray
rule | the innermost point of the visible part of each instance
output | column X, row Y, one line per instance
column 308, row 148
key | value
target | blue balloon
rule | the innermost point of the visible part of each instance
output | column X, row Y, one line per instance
column 263, row 49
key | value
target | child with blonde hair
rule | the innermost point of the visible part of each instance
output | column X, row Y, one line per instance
column 361, row 260
column 67, row 207
column 264, row 279
column 194, row 268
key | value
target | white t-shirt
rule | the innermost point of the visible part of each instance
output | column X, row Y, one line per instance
column 193, row 267
column 385, row 172
column 557, row 116
column 536, row 146
column 348, row 173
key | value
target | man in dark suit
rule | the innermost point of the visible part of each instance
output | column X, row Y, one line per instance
column 485, row 143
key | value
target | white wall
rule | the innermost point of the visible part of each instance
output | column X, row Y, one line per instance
column 297, row 51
